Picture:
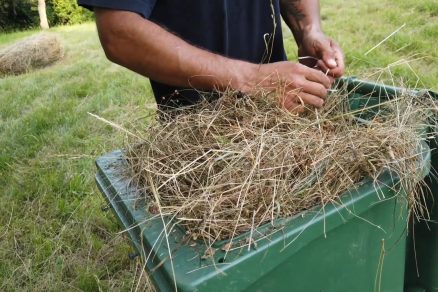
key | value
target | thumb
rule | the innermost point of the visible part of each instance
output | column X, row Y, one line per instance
column 328, row 56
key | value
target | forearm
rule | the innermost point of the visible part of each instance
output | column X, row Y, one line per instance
column 148, row 49
column 302, row 16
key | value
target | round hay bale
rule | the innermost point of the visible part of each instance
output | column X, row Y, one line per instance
column 33, row 52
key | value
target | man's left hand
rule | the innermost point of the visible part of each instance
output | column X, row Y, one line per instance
column 328, row 54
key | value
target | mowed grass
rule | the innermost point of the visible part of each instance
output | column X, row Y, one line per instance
column 53, row 233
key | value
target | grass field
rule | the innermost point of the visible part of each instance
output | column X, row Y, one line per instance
column 53, row 233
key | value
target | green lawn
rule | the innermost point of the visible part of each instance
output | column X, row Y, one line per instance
column 53, row 234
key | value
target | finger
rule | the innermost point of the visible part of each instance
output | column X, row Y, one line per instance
column 289, row 101
column 326, row 71
column 328, row 55
column 323, row 67
column 293, row 106
column 339, row 71
column 336, row 72
column 330, row 73
column 309, row 99
column 298, row 108
column 314, row 88
column 303, row 99
column 317, row 76
column 332, row 79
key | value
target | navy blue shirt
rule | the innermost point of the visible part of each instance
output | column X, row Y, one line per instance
column 237, row 29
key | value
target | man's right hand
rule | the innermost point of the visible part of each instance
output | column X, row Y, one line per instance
column 297, row 86
column 137, row 43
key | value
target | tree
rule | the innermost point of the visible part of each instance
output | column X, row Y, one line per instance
column 44, row 24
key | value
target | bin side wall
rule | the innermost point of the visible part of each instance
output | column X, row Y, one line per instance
column 425, row 239
column 327, row 263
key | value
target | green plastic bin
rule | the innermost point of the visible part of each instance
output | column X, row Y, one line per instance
column 422, row 250
column 422, row 255
column 356, row 245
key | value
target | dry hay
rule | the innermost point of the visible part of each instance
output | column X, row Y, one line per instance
column 33, row 52
column 224, row 168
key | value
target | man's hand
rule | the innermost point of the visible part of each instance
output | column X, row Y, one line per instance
column 136, row 43
column 296, row 85
column 324, row 53
column 314, row 48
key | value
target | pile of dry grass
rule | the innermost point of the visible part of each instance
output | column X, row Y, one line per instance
column 33, row 52
column 224, row 168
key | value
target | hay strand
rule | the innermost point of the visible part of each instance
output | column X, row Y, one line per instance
column 228, row 167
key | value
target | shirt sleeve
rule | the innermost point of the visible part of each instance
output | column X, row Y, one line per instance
column 142, row 7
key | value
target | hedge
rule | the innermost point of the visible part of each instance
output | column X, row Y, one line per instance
column 22, row 14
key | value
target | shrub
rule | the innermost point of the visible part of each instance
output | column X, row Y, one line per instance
column 23, row 14
column 68, row 12
column 18, row 14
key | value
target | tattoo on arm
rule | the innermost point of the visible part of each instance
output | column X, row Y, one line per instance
column 292, row 8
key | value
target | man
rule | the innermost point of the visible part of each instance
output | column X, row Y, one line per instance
column 188, row 46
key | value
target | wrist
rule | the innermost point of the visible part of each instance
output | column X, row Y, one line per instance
column 308, row 30
column 311, row 28
column 301, row 29
column 243, row 75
